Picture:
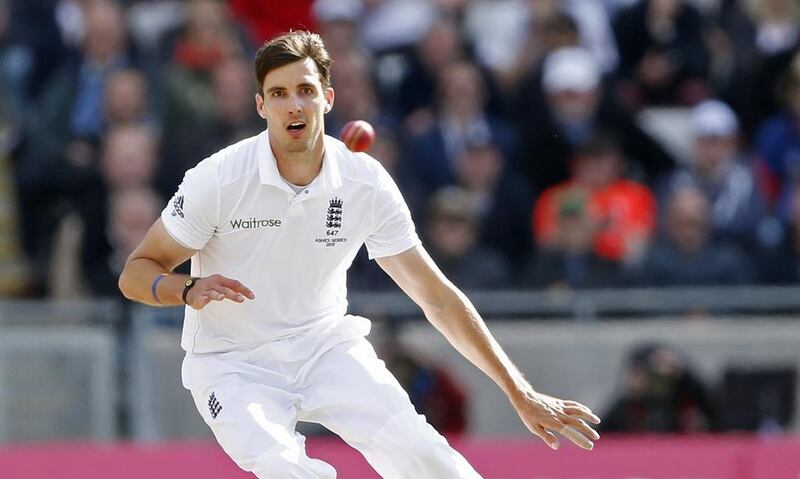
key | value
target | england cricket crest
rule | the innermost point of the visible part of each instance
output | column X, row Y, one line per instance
column 333, row 223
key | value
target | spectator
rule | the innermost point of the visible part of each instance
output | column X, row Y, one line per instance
column 264, row 19
column 233, row 98
column 777, row 28
column 511, row 36
column 660, row 393
column 559, row 31
column 752, row 48
column 57, row 168
column 569, row 260
column 131, row 213
column 432, row 388
column 127, row 99
column 71, row 107
column 777, row 39
column 503, row 200
column 596, row 33
column 356, row 98
column 129, row 157
column 464, row 251
column 14, row 268
column 128, row 160
column 207, row 40
column 662, row 54
column 453, row 231
column 392, row 25
column 686, row 255
column 386, row 149
column 366, row 274
column 440, row 47
column 576, row 108
column 460, row 118
column 232, row 117
column 779, row 258
column 720, row 172
column 31, row 50
column 778, row 144
column 150, row 21
column 732, row 57
column 338, row 22
column 623, row 210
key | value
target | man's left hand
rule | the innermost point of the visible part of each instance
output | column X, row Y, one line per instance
column 545, row 415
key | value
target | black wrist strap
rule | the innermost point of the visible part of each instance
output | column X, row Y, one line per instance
column 187, row 286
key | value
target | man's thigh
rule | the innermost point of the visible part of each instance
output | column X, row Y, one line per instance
column 255, row 425
column 350, row 391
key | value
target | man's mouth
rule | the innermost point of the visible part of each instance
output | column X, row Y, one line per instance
column 295, row 128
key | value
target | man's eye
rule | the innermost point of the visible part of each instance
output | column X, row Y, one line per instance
column 308, row 91
column 277, row 94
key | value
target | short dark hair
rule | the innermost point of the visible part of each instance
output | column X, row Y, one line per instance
column 289, row 48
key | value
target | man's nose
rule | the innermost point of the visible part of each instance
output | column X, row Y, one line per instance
column 295, row 105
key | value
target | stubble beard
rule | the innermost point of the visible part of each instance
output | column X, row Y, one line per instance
column 299, row 145
column 305, row 145
column 296, row 146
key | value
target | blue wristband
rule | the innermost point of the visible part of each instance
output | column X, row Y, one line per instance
column 155, row 285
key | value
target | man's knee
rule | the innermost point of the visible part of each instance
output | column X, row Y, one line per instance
column 411, row 448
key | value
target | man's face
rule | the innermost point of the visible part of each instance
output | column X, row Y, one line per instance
column 598, row 170
column 355, row 96
column 232, row 90
column 460, row 90
column 105, row 33
column 293, row 103
column 125, row 96
column 713, row 152
column 452, row 236
column 129, row 158
column 572, row 106
column 689, row 218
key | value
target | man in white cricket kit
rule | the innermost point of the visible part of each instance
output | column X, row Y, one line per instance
column 271, row 224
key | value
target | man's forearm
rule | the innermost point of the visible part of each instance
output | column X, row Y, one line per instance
column 458, row 320
column 136, row 283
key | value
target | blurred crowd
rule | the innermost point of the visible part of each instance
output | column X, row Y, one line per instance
column 661, row 391
column 539, row 143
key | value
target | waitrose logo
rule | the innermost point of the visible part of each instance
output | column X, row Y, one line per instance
column 253, row 223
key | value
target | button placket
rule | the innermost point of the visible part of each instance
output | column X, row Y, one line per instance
column 307, row 194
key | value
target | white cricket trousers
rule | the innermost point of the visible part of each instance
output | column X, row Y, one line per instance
column 253, row 399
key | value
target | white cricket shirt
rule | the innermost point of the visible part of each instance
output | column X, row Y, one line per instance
column 292, row 249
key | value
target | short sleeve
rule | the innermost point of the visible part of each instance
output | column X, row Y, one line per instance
column 393, row 230
column 190, row 216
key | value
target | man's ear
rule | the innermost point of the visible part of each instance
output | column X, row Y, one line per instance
column 260, row 106
column 329, row 94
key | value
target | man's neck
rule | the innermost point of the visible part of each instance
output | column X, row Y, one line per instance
column 300, row 168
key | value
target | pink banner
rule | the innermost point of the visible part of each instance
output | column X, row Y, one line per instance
column 613, row 458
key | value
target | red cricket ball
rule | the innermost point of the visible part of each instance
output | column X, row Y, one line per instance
column 357, row 135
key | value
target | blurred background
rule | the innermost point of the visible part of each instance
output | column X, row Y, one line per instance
column 615, row 183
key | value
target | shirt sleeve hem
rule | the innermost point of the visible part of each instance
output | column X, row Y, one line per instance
column 398, row 248
column 179, row 236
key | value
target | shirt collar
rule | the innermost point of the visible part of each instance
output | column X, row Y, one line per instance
column 328, row 179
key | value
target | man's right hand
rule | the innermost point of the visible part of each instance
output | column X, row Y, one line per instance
column 217, row 288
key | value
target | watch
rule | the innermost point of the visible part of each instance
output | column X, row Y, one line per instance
column 189, row 284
